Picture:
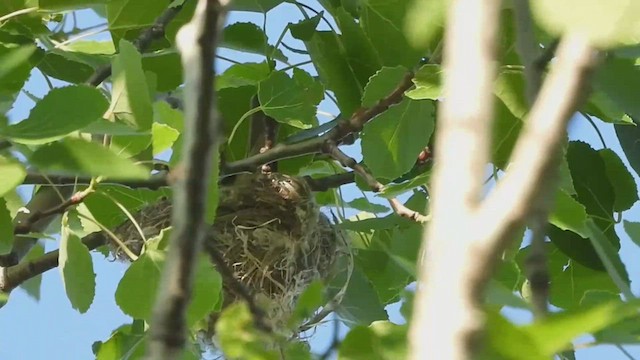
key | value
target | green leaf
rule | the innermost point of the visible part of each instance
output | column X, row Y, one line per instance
column 311, row 299
column 364, row 204
column 6, row 228
column 381, row 340
column 207, row 291
column 633, row 230
column 568, row 214
column 554, row 333
column 593, row 187
column 262, row 6
column 428, row 83
column 125, row 343
column 248, row 37
column 76, row 269
column 506, row 129
column 52, row 118
column 13, row 173
column 163, row 137
column 507, row 341
column 233, row 103
column 167, row 66
column 304, row 29
column 125, row 15
column 32, row 286
column 624, row 186
column 57, row 5
column 77, row 156
column 382, row 84
column 392, row 141
column 238, row 338
column 244, row 74
column 359, row 50
column 360, row 304
column 65, row 66
column 14, row 58
column 389, row 261
column 384, row 22
column 510, row 89
column 419, row 32
column 285, row 100
column 392, row 190
column 610, row 258
column 616, row 80
column 14, row 79
column 335, row 72
column 137, row 290
column 577, row 247
column 130, row 98
column 609, row 24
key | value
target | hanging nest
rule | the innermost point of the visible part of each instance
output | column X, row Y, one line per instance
column 271, row 234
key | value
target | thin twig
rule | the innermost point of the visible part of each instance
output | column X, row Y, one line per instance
column 197, row 41
column 332, row 149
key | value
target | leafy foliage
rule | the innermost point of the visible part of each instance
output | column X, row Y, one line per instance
column 334, row 58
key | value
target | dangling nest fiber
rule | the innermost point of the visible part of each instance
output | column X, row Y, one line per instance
column 270, row 232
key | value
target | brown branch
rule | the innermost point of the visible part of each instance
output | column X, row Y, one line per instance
column 330, row 182
column 345, row 160
column 446, row 318
column 197, row 42
column 24, row 226
column 154, row 182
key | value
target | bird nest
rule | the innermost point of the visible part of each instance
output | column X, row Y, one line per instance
column 270, row 233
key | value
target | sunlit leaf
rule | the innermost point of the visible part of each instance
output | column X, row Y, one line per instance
column 13, row 173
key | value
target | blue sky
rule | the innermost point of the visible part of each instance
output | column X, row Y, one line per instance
column 51, row 329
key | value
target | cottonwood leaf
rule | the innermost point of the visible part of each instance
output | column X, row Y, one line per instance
column 382, row 83
column 76, row 268
column 13, row 173
column 428, row 83
column 75, row 156
column 382, row 340
column 248, row 37
column 607, row 24
column 53, row 118
column 32, row 286
column 624, row 186
column 137, row 290
column 245, row 74
column 6, row 228
column 285, row 100
column 392, row 141
column 359, row 50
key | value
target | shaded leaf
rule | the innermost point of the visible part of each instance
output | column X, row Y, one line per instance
column 6, row 228
column 52, row 118
column 359, row 50
column 392, row 141
column 381, row 340
column 381, row 84
column 624, row 186
column 633, row 230
column 32, row 286
column 283, row 99
column 137, row 290
column 76, row 269
column 364, row 204
column 244, row 74
column 77, row 156
column 360, row 304
column 248, row 37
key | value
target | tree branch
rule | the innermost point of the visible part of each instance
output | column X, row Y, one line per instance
column 197, row 43
column 143, row 41
column 446, row 318
column 332, row 149
column 154, row 182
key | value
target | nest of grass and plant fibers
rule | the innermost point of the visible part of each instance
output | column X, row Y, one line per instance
column 271, row 234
